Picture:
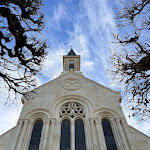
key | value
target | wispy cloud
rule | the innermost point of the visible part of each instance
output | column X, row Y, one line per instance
column 60, row 12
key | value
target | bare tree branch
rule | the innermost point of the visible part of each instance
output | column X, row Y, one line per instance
column 131, row 59
column 21, row 50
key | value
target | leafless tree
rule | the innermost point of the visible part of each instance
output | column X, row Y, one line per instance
column 22, row 49
column 131, row 58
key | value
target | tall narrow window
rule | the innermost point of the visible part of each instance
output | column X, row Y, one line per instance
column 79, row 135
column 108, row 134
column 65, row 135
column 36, row 135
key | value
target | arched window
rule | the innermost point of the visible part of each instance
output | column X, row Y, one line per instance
column 79, row 135
column 36, row 135
column 71, row 65
column 108, row 134
column 72, row 110
column 65, row 142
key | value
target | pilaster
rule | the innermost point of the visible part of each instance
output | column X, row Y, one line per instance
column 94, row 134
column 88, row 135
column 123, row 122
column 51, row 135
column 117, row 135
column 101, row 138
column 56, row 135
column 28, row 136
column 46, row 128
column 122, row 135
column 22, row 135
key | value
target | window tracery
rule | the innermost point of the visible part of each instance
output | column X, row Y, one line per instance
column 72, row 109
column 73, row 126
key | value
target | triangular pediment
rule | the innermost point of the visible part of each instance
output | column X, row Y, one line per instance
column 73, row 75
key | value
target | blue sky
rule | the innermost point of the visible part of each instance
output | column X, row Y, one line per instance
column 88, row 26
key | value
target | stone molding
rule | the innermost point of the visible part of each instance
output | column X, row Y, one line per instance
column 107, row 113
column 71, row 84
column 59, row 102
column 36, row 114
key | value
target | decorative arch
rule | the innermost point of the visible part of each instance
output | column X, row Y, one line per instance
column 71, row 111
column 36, row 114
column 106, row 113
column 37, row 119
column 87, row 104
column 107, row 118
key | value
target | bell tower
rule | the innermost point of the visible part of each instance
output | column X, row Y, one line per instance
column 71, row 61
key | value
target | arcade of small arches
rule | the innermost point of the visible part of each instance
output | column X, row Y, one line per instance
column 73, row 129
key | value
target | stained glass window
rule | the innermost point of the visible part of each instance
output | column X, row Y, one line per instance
column 79, row 135
column 36, row 135
column 108, row 134
column 65, row 135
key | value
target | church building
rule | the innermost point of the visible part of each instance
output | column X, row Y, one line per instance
column 73, row 112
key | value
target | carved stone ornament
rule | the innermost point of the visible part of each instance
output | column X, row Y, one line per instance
column 72, row 109
column 71, row 84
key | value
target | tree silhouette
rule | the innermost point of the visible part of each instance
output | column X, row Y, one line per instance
column 131, row 58
column 22, row 49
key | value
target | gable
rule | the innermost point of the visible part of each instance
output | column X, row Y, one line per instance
column 74, row 83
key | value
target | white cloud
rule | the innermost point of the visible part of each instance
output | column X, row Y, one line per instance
column 60, row 12
column 54, row 61
column 88, row 66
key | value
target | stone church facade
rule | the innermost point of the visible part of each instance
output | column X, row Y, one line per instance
column 73, row 112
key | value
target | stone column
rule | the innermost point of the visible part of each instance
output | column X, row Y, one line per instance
column 94, row 134
column 56, row 136
column 28, row 136
column 16, row 136
column 127, row 134
column 46, row 128
column 117, row 136
column 123, row 139
column 72, row 135
column 67, row 65
column 88, row 136
column 22, row 135
column 101, row 138
column 76, row 64
column 50, row 143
